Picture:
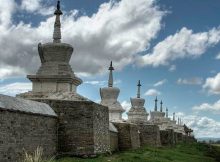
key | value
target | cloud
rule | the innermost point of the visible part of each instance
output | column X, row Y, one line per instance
column 172, row 68
column 190, row 81
column 152, row 92
column 117, row 31
column 214, row 108
column 126, row 105
column 7, row 71
column 7, row 8
column 218, row 56
column 159, row 83
column 183, row 44
column 202, row 126
column 101, row 82
column 37, row 7
column 15, row 88
column 212, row 84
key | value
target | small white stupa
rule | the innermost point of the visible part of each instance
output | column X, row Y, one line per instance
column 167, row 124
column 157, row 116
column 138, row 114
column 109, row 96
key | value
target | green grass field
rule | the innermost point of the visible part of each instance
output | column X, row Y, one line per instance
column 195, row 152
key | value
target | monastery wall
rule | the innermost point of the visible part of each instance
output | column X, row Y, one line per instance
column 21, row 131
column 83, row 127
column 167, row 137
column 128, row 136
column 149, row 135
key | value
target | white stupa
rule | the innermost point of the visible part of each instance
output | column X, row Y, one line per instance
column 157, row 116
column 55, row 78
column 138, row 114
column 167, row 122
column 109, row 96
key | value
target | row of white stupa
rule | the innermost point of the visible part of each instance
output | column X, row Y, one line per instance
column 137, row 113
column 55, row 79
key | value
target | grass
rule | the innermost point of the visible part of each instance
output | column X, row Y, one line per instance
column 195, row 152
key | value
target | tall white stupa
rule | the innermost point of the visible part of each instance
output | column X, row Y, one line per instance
column 109, row 96
column 138, row 114
column 55, row 78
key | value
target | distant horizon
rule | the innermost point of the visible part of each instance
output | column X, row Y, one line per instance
column 172, row 47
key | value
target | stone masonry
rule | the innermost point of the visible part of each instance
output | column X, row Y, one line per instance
column 83, row 127
column 24, row 126
column 128, row 136
column 149, row 135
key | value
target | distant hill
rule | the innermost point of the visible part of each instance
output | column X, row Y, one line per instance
column 207, row 139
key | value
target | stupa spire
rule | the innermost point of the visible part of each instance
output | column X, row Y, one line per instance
column 174, row 116
column 57, row 24
column 155, row 107
column 110, row 79
column 139, row 89
column 161, row 106
column 166, row 112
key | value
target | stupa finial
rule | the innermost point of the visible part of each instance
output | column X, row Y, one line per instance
column 174, row 116
column 110, row 79
column 166, row 112
column 139, row 89
column 161, row 106
column 57, row 24
column 155, row 107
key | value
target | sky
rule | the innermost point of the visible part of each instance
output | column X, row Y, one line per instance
column 172, row 46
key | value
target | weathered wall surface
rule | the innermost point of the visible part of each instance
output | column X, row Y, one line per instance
column 128, row 136
column 167, row 137
column 20, row 131
column 179, row 137
column 149, row 135
column 101, row 128
column 113, row 141
column 83, row 127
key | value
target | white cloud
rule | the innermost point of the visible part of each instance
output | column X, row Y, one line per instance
column 7, row 71
column 152, row 92
column 214, row 108
column 183, row 44
column 126, row 105
column 159, row 83
column 190, row 81
column 37, row 6
column 118, row 31
column 7, row 8
column 218, row 57
column 15, row 88
column 101, row 82
column 212, row 84
column 202, row 126
column 172, row 68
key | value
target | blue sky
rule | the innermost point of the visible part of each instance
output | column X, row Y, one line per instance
column 172, row 46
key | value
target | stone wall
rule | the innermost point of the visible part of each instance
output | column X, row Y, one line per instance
column 83, row 127
column 23, row 131
column 128, row 136
column 149, row 135
column 167, row 137
column 179, row 137
column 113, row 141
